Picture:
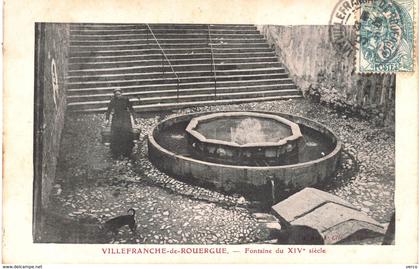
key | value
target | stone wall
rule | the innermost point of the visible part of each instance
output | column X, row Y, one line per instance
column 318, row 69
column 51, row 54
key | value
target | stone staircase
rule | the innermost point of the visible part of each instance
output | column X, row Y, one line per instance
column 169, row 66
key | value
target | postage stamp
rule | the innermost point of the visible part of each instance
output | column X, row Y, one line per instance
column 386, row 36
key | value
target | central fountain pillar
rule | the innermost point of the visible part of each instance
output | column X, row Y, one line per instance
column 245, row 138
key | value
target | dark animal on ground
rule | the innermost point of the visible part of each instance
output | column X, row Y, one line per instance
column 113, row 225
column 298, row 235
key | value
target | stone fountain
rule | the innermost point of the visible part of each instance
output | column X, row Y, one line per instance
column 257, row 154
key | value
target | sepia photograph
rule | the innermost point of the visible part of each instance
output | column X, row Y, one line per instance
column 246, row 132
column 209, row 134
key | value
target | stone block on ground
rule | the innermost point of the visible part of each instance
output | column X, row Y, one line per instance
column 304, row 201
column 335, row 218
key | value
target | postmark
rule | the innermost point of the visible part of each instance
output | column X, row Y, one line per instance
column 386, row 36
column 344, row 26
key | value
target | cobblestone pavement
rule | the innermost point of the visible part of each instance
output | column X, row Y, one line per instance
column 91, row 185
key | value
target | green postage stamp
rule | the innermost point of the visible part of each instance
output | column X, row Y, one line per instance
column 386, row 36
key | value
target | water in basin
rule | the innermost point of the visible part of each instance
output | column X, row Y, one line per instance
column 243, row 130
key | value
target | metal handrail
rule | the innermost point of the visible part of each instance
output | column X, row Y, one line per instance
column 213, row 67
column 169, row 62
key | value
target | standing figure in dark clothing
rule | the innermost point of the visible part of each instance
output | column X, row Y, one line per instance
column 121, row 127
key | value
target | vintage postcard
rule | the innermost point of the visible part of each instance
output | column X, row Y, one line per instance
column 210, row 132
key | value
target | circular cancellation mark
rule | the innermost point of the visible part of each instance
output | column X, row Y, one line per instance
column 344, row 26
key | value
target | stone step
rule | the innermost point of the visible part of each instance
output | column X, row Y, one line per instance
column 204, row 96
column 174, row 68
column 181, row 74
column 204, row 41
column 96, row 86
column 127, row 63
column 99, row 26
column 87, row 89
column 96, row 83
column 104, row 94
column 159, row 36
column 179, row 105
column 193, row 99
column 105, row 26
column 115, row 51
column 159, row 25
column 152, row 45
column 161, row 31
column 151, row 97
column 171, row 56
column 203, row 26
column 177, row 62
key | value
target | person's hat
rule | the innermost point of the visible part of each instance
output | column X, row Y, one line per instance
column 117, row 90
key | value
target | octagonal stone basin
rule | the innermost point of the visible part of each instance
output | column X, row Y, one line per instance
column 170, row 150
column 243, row 137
